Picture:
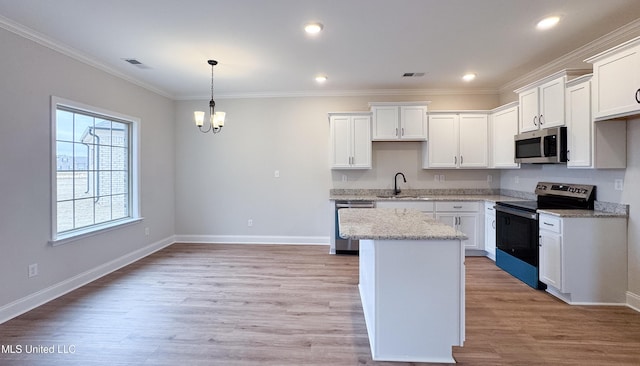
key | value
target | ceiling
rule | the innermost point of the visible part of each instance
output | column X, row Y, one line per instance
column 366, row 45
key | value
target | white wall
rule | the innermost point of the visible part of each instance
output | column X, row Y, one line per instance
column 223, row 181
column 30, row 74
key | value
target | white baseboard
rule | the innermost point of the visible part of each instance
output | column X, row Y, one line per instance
column 43, row 296
column 253, row 239
column 633, row 301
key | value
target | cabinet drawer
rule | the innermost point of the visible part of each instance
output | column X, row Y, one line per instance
column 457, row 206
column 423, row 206
column 550, row 223
column 489, row 209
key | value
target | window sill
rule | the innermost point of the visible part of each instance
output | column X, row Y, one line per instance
column 96, row 230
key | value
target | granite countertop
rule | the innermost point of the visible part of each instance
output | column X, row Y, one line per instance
column 393, row 224
column 581, row 213
column 426, row 197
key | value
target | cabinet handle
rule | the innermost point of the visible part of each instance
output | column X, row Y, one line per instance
column 541, row 120
column 461, row 160
column 568, row 151
column 548, row 224
column 535, row 119
column 396, row 131
column 457, row 206
column 402, row 131
column 493, row 224
column 638, row 95
column 455, row 160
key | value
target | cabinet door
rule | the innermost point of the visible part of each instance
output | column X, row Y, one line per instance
column 552, row 103
column 551, row 259
column 443, row 141
column 529, row 112
column 361, row 142
column 579, row 125
column 413, row 124
column 468, row 224
column 616, row 83
column 465, row 222
column 504, row 127
column 340, row 142
column 490, row 235
column 385, row 122
column 473, row 145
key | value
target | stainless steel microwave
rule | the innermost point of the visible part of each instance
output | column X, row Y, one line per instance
column 545, row 146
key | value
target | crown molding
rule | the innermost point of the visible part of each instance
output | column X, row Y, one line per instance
column 47, row 42
column 343, row 93
column 592, row 48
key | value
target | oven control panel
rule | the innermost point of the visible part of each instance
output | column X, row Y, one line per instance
column 582, row 191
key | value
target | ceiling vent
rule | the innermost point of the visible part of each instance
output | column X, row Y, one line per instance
column 413, row 74
column 136, row 63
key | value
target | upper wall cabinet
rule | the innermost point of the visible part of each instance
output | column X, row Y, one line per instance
column 399, row 121
column 350, row 140
column 542, row 103
column 503, row 126
column 601, row 145
column 616, row 81
column 456, row 140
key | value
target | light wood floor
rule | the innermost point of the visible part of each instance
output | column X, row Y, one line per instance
column 295, row 305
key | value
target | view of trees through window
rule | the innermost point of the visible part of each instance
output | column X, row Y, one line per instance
column 92, row 169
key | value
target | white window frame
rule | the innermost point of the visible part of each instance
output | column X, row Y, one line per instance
column 134, row 174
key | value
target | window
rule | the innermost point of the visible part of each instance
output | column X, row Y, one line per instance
column 94, row 177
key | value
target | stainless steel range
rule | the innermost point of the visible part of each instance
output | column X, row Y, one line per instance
column 517, row 237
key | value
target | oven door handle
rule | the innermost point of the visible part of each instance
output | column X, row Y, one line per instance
column 511, row 211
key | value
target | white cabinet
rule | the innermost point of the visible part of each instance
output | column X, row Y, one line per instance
column 542, row 103
column 589, row 144
column 350, row 140
column 503, row 126
column 583, row 260
column 465, row 217
column 399, row 121
column 490, row 230
column 456, row 140
column 550, row 242
column 616, row 81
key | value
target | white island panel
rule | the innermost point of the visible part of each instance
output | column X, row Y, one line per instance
column 412, row 294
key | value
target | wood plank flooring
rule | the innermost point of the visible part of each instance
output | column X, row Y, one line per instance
column 194, row 304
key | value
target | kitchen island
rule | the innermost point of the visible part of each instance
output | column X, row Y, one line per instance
column 411, row 283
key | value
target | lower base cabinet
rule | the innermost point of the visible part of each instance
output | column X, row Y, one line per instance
column 465, row 217
column 490, row 230
column 583, row 260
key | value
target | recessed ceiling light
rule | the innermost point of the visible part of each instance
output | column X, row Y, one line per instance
column 469, row 77
column 313, row 28
column 548, row 22
column 321, row 78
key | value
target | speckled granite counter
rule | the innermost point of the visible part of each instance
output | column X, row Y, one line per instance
column 582, row 213
column 393, row 224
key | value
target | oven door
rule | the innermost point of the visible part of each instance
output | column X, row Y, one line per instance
column 517, row 233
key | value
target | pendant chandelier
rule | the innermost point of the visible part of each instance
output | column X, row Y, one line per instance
column 216, row 119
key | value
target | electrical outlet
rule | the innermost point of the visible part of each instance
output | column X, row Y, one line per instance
column 146, row 231
column 33, row 270
column 517, row 180
column 436, row 178
column 276, row 174
column 489, row 178
column 344, row 178
column 618, row 184
column 250, row 222
column 442, row 177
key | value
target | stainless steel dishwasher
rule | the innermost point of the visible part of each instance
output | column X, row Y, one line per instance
column 349, row 246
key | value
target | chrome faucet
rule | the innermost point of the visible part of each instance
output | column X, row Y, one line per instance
column 397, row 190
